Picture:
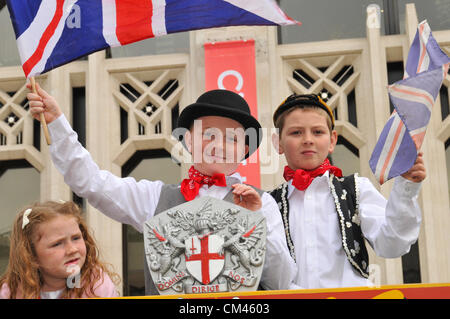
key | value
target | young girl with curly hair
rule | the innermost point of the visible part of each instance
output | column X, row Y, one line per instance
column 53, row 255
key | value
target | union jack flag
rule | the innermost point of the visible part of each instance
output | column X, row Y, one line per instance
column 413, row 97
column 51, row 33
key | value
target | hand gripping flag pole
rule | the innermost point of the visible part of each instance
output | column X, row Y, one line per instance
column 41, row 115
column 413, row 98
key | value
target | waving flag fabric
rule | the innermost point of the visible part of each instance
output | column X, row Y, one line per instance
column 54, row 32
column 413, row 97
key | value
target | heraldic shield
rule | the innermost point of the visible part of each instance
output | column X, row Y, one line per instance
column 206, row 245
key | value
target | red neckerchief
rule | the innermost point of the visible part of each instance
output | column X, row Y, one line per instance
column 302, row 179
column 191, row 186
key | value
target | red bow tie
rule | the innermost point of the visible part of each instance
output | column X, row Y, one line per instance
column 191, row 186
column 302, row 179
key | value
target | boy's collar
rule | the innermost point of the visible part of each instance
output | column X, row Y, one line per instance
column 291, row 187
column 234, row 178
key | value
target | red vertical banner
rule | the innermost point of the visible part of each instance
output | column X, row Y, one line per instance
column 231, row 66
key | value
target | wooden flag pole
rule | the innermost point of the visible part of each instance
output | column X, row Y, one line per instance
column 41, row 115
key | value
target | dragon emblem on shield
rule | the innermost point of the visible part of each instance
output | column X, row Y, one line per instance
column 204, row 246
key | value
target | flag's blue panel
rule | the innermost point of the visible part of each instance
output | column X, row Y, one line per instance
column 200, row 14
column 82, row 35
column 27, row 10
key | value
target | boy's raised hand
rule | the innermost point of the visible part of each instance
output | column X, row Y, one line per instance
column 417, row 172
column 43, row 102
column 247, row 197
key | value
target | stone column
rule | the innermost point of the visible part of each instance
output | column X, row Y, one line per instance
column 100, row 141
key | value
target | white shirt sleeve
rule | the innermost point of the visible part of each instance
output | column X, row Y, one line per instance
column 279, row 267
column 122, row 199
column 392, row 226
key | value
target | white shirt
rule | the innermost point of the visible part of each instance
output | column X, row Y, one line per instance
column 131, row 202
column 391, row 227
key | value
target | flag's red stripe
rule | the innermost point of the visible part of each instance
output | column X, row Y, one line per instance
column 48, row 33
column 391, row 151
column 411, row 92
column 424, row 48
column 133, row 20
column 418, row 139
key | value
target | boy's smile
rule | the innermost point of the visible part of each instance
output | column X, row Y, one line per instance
column 306, row 140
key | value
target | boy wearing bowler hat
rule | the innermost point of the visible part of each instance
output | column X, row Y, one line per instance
column 219, row 131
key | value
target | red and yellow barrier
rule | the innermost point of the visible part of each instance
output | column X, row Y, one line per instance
column 409, row 291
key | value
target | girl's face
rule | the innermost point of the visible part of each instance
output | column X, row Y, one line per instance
column 60, row 248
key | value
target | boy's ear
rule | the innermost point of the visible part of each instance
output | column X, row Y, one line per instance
column 245, row 151
column 333, row 141
column 188, row 140
column 276, row 143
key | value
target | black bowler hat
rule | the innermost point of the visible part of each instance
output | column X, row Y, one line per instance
column 226, row 104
